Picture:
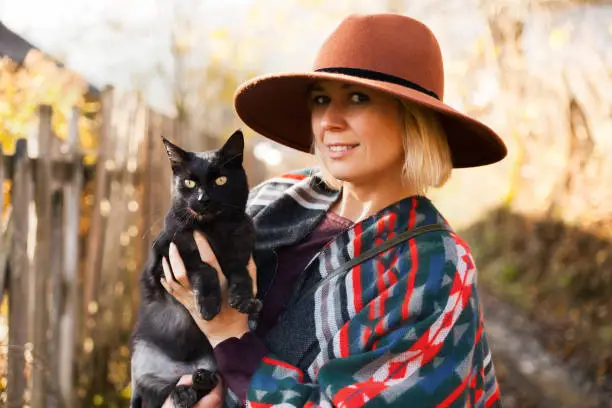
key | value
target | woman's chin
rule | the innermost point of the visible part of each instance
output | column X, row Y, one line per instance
column 360, row 174
column 344, row 175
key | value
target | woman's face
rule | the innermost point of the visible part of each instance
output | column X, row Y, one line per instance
column 357, row 131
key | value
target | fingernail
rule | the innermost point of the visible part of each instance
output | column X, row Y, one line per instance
column 172, row 247
column 185, row 380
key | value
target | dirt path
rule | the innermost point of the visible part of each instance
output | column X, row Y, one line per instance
column 529, row 376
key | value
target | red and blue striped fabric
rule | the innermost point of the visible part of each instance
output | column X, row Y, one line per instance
column 402, row 329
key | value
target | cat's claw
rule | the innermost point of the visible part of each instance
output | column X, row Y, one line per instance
column 241, row 298
column 254, row 306
column 184, row 396
column 248, row 306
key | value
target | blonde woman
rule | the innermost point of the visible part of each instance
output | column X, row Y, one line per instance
column 369, row 295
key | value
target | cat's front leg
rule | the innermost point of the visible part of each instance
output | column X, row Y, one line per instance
column 151, row 288
column 240, row 290
column 206, row 289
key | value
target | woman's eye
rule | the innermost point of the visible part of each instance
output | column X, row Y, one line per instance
column 189, row 183
column 358, row 97
column 320, row 99
column 221, row 180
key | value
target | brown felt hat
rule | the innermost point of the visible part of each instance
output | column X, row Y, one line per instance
column 387, row 52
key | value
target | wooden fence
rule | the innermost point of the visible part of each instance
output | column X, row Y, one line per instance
column 39, row 263
column 72, row 240
column 73, row 237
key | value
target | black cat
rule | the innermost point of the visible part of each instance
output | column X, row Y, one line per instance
column 210, row 192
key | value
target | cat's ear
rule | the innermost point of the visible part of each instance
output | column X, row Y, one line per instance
column 233, row 149
column 176, row 155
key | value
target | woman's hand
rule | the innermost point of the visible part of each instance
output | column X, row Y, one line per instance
column 213, row 399
column 229, row 322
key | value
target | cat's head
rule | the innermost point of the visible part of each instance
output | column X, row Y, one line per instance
column 208, row 184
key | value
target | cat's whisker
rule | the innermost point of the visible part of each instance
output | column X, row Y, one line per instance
column 154, row 224
column 188, row 216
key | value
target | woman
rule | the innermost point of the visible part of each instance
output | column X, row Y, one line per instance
column 369, row 296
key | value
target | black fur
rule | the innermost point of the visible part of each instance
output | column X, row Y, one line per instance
column 165, row 334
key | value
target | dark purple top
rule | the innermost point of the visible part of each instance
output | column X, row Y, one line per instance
column 237, row 359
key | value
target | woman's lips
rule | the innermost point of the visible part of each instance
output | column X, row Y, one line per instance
column 339, row 151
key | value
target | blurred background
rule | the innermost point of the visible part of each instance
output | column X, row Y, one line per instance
column 88, row 88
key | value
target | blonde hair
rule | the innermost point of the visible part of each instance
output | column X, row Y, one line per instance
column 427, row 156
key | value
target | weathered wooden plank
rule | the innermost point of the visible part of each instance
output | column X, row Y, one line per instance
column 95, row 244
column 6, row 244
column 89, row 370
column 43, row 248
column 71, row 310
column 146, row 159
column 56, row 286
column 4, row 240
column 1, row 179
column 19, row 277
column 108, row 330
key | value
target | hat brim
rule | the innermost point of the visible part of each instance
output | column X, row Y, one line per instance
column 275, row 105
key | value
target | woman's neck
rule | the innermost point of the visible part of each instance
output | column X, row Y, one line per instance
column 358, row 202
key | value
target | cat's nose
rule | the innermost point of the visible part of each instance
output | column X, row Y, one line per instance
column 202, row 197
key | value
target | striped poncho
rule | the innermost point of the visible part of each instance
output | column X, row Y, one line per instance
column 402, row 329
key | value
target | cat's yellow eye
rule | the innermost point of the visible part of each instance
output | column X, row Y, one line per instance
column 221, row 180
column 189, row 183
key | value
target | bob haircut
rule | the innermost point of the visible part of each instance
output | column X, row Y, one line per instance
column 427, row 156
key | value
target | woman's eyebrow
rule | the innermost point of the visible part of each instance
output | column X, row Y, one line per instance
column 315, row 87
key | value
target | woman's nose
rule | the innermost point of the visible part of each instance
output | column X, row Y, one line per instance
column 332, row 118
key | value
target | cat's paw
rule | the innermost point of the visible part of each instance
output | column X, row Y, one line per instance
column 253, row 307
column 204, row 380
column 243, row 300
column 184, row 396
column 209, row 306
